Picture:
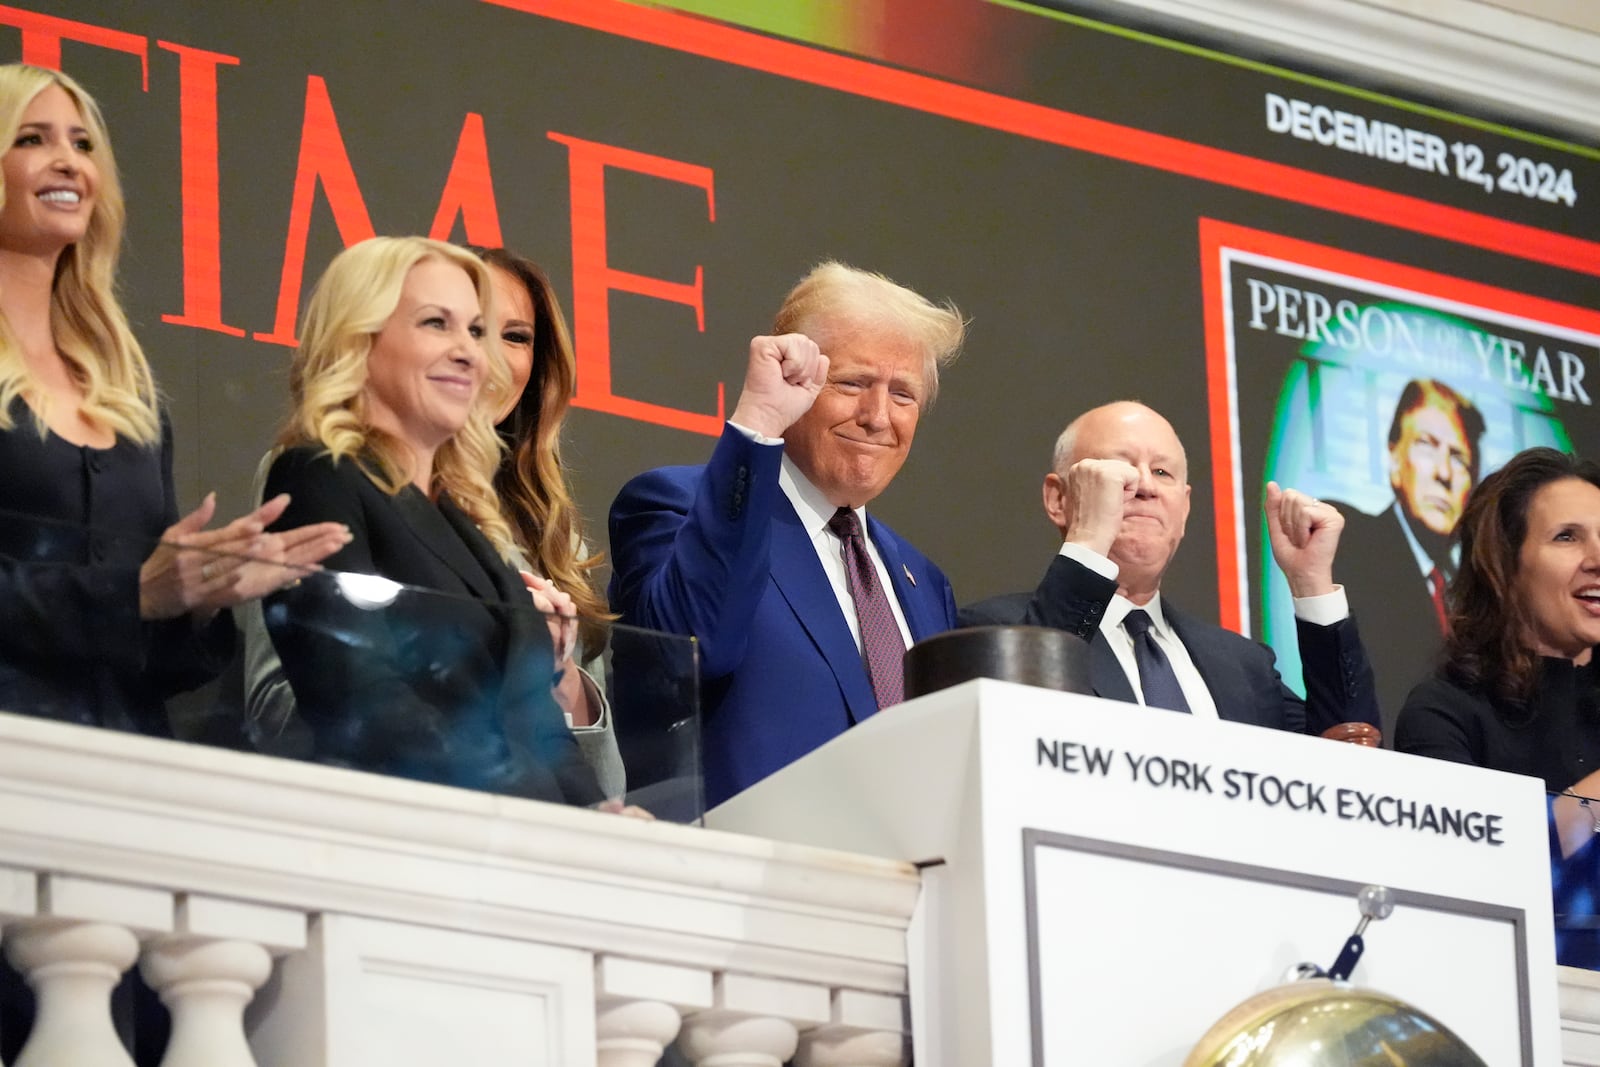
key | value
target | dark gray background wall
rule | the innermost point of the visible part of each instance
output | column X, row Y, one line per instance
column 1079, row 268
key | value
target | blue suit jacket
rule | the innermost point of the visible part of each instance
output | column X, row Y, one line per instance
column 719, row 552
column 1241, row 674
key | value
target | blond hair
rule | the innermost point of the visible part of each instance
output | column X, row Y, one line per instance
column 86, row 321
column 836, row 301
column 352, row 301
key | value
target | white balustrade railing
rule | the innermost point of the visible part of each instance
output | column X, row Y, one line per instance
column 289, row 914
column 1580, row 1017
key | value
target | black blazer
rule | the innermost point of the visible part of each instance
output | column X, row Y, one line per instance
column 1241, row 674
column 1390, row 599
column 452, row 688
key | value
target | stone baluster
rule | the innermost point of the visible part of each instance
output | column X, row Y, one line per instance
column 754, row 1022
column 72, row 967
column 729, row 1039
column 633, row 1033
column 83, row 935
column 639, row 1007
column 864, row 1030
column 19, row 895
column 206, row 971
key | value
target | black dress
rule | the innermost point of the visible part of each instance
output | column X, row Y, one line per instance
column 447, row 680
column 76, row 524
column 1390, row 599
column 1555, row 737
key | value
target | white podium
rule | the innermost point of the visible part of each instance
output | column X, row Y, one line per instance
column 1102, row 882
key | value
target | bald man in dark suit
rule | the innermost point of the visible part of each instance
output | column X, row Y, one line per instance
column 1119, row 494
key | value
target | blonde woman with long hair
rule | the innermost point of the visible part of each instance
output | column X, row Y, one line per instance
column 391, row 434
column 109, row 602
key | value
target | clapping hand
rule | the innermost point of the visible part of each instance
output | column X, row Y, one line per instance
column 201, row 571
column 560, row 614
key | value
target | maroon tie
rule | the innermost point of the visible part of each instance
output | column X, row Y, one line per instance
column 882, row 647
column 1436, row 589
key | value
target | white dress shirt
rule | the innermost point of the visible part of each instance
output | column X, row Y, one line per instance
column 815, row 511
column 1324, row 610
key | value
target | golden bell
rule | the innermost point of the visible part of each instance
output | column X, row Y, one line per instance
column 1318, row 1023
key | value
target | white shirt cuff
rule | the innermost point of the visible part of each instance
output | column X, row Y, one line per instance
column 1088, row 557
column 1324, row 610
column 758, row 438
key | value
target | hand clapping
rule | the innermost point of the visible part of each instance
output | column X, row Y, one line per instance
column 202, row 571
column 560, row 614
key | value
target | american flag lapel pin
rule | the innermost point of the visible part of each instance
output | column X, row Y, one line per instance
column 909, row 578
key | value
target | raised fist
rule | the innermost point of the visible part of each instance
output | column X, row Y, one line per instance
column 1305, row 535
column 1090, row 501
column 781, row 380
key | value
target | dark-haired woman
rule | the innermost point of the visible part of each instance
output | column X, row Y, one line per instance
column 1519, row 687
column 534, row 495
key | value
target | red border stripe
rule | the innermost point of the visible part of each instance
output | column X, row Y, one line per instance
column 1224, row 492
column 919, row 92
column 804, row 63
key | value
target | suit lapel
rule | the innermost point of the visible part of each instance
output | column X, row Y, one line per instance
column 798, row 574
column 440, row 531
column 1229, row 688
column 1106, row 674
column 488, row 565
column 528, row 663
column 913, row 599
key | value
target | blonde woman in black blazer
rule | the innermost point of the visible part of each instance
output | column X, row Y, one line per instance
column 450, row 681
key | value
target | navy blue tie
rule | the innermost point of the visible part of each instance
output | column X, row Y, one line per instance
column 1156, row 677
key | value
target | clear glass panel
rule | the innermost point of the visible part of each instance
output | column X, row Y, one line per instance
column 351, row 670
column 1575, row 878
